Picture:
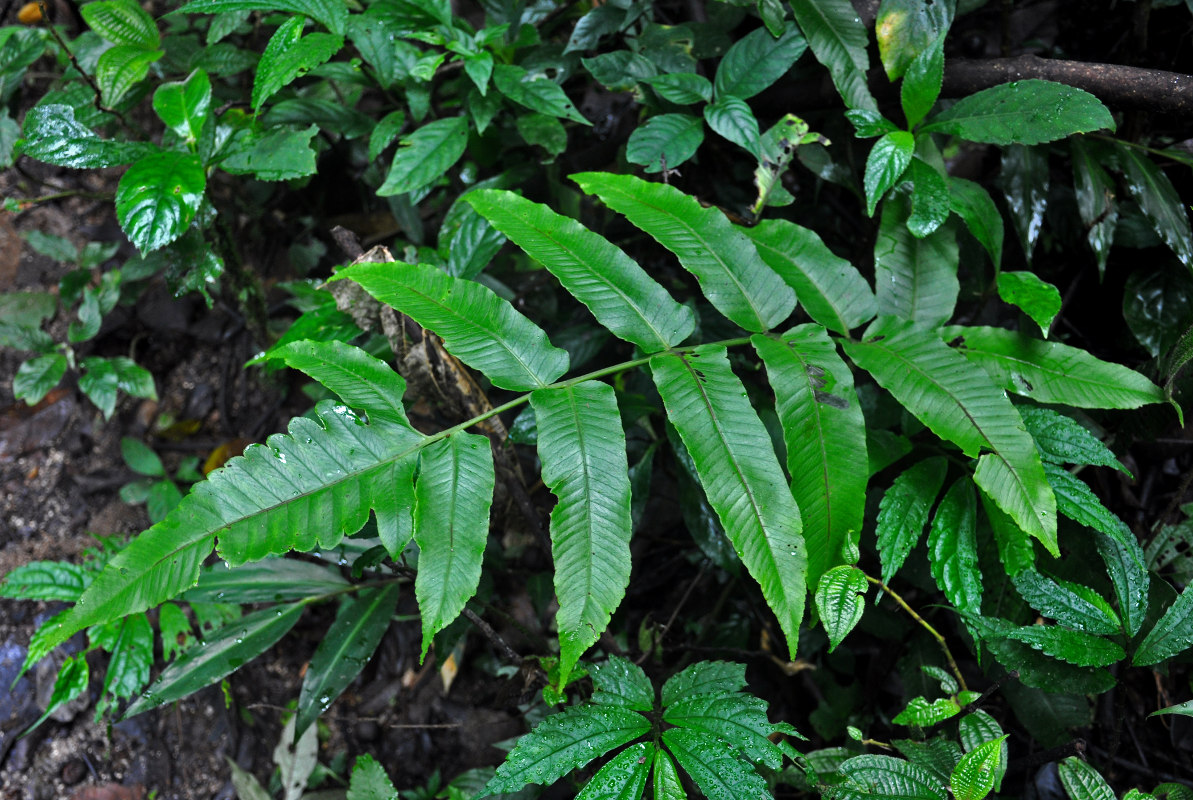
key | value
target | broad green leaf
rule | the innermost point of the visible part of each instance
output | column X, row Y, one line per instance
column 221, row 653
column 974, row 205
column 428, row 154
column 1158, row 199
column 37, row 376
column 279, row 155
column 838, row 38
column 271, row 580
column 472, row 246
column 929, row 198
column 1036, row 298
column 1050, row 372
column 682, row 88
column 1184, row 709
column 477, row 326
column 451, row 525
column 622, row 683
column 1076, row 647
column 140, row 457
column 1024, row 179
column 732, row 275
column 621, row 70
column 332, row 14
column 1075, row 500
column 544, row 131
column 873, row 776
column 1095, row 191
column 937, row 755
column 369, row 781
column 360, row 623
column 665, row 781
column 829, row 287
column 601, row 21
column 953, row 547
column 922, row 81
column 359, row 379
column 1126, row 565
column 739, row 719
column 1068, row 603
column 385, row 131
column 1082, row 781
column 755, row 61
column 916, row 278
column 825, row 436
column 974, row 776
column 869, row 124
column 1170, row 636
column 72, row 680
column 718, row 771
column 99, row 383
column 122, row 22
column 704, row 677
column 665, row 141
column 581, row 445
column 903, row 512
column 535, row 91
column 741, row 476
column 1022, row 112
column 839, row 601
column 975, row 729
column 615, row 289
column 45, row 580
column 732, row 118
column 565, row 741
column 624, row 777
column 921, row 713
column 184, row 105
column 289, row 55
column 886, row 164
column 157, row 198
column 906, row 29
column 959, row 404
column 1064, row 440
column 130, row 645
column 122, row 67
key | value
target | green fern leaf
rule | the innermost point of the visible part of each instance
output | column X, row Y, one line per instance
column 829, row 288
column 741, row 475
column 732, row 275
column 953, row 547
column 477, row 326
column 451, row 526
column 1050, row 372
column 624, row 777
column 582, row 447
column 959, row 404
column 616, row 290
column 360, row 380
column 826, row 439
column 718, row 770
column 903, row 512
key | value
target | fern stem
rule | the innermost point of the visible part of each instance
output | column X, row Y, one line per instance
column 924, row 623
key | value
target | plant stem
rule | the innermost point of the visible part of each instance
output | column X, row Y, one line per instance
column 923, row 623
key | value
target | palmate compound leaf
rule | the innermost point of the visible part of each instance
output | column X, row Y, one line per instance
column 903, row 512
column 719, row 771
column 732, row 275
column 740, row 473
column 839, row 599
column 565, row 741
column 1050, row 372
column 477, row 327
column 872, row 776
column 957, row 402
column 665, row 781
column 451, row 525
column 301, row 490
column 615, row 289
column 825, row 436
column 582, row 447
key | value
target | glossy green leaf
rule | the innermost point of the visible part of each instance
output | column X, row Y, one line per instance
column 535, row 91
column 829, row 287
column 937, row 755
column 953, row 547
column 906, row 29
column 886, row 164
column 477, row 326
column 621, row 70
column 923, row 79
column 289, row 55
column 122, row 22
column 615, row 289
column 360, row 380
column 1024, row 180
column 1038, row 299
column 72, row 680
column 838, row 38
column 279, row 155
column 360, row 622
column 974, row 205
column 45, row 580
column 582, row 448
column 622, row 683
column 565, row 741
column 37, row 376
column 624, row 777
column 731, row 273
column 332, row 14
column 665, row 141
column 369, row 781
column 739, row 719
column 1171, row 635
column 1158, row 199
column 157, row 198
column 1127, row 566
column 741, row 476
column 916, row 278
column 223, row 652
column 1095, row 191
column 122, row 67
column 922, row 713
column 1082, row 781
column 184, row 105
column 959, row 405
column 873, row 776
column 601, row 21
column 1075, row 500
column 869, row 124
column 1022, row 112
column 930, row 203
column 1076, row 647
column 719, row 772
column 129, row 643
column 903, row 512
column 385, row 132
column 1184, row 709
column 1050, row 372
column 974, row 776
column 704, row 677
column 428, row 154
column 755, row 61
column 732, row 118
column 451, row 525
column 472, row 246
column 682, row 88
column 839, row 601
column 665, row 782
column 1068, row 603
column 975, row 729
column 271, row 580
column 825, row 436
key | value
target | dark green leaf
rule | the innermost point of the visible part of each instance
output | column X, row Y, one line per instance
column 1075, row 500
column 665, row 141
column 1024, row 180
column 332, row 14
column 622, row 683
column 1172, row 635
column 682, row 88
column 620, row 70
column 869, row 124
column 903, row 512
column 916, row 278
column 1159, row 200
column 1068, row 603
column 885, row 165
column 51, row 134
column 157, row 198
column 279, row 155
column 739, row 719
column 840, row 601
column 624, row 777
column 369, row 781
column 122, row 67
column 122, row 22
column 542, row 130
column 974, row 776
column 597, row 23
column 289, row 55
column 757, row 60
column 45, row 580
column 838, row 38
column 732, row 118
column 1095, row 191
column 131, row 656
column 1022, row 112
column 271, row 580
column 428, row 154
column 719, row 772
column 974, row 205
column 1063, row 440
column 72, row 680
column 1075, row 647
column 1126, row 565
column 1036, row 298
column 141, row 458
column 922, row 81
column 930, row 199
column 704, row 677
column 872, row 776
column 1082, row 781
column 535, row 91
column 37, row 376
column 184, row 105
column 953, row 547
